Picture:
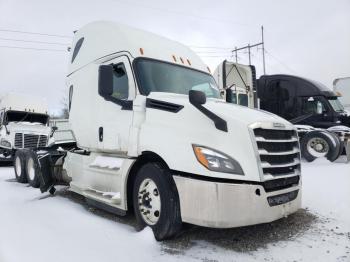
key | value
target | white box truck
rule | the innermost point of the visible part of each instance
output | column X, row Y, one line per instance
column 154, row 136
column 23, row 124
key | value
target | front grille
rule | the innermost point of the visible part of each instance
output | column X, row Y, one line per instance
column 274, row 134
column 280, row 183
column 18, row 140
column 278, row 159
column 278, row 150
column 42, row 141
column 277, row 147
column 30, row 141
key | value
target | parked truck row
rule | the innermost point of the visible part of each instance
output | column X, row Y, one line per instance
column 322, row 122
column 152, row 135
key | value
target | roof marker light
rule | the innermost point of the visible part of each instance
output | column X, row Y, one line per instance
column 182, row 61
column 141, row 50
column 188, row 61
column 174, row 58
column 208, row 69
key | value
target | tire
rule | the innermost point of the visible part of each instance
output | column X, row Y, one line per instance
column 19, row 166
column 319, row 144
column 338, row 148
column 32, row 168
column 164, row 217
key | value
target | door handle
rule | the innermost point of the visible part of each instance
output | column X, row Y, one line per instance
column 100, row 133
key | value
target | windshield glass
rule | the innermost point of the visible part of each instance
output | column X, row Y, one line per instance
column 17, row 116
column 157, row 76
column 335, row 103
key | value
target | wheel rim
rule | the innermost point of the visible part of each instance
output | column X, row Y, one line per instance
column 149, row 201
column 18, row 166
column 30, row 169
column 318, row 147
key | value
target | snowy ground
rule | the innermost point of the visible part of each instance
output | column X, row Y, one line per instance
column 36, row 227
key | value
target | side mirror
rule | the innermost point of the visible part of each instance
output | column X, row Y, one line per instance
column 197, row 97
column 105, row 80
column 53, row 130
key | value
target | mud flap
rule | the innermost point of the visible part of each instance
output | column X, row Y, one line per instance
column 47, row 176
column 46, row 173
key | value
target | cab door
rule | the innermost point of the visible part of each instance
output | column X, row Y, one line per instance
column 115, row 109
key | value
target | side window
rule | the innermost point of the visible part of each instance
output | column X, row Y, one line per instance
column 311, row 105
column 70, row 97
column 120, row 82
column 77, row 48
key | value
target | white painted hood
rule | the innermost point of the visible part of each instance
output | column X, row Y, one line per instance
column 171, row 135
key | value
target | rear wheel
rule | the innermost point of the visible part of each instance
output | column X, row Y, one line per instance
column 19, row 166
column 156, row 201
column 317, row 144
column 32, row 169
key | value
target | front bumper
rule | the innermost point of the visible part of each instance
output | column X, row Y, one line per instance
column 227, row 205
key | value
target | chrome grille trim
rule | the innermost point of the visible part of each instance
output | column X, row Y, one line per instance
column 278, row 152
column 18, row 140
column 30, row 141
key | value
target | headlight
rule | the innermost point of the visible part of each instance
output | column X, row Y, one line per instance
column 217, row 161
column 5, row 143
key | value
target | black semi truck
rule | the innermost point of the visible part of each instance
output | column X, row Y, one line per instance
column 301, row 101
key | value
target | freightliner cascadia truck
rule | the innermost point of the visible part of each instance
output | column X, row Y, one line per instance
column 24, row 124
column 153, row 136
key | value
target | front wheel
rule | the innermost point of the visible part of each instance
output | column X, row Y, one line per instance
column 156, row 201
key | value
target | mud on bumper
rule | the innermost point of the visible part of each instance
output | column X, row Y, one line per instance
column 227, row 205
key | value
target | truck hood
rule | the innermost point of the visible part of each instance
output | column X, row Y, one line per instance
column 26, row 127
column 170, row 133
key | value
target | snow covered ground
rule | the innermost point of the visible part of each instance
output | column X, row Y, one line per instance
column 38, row 227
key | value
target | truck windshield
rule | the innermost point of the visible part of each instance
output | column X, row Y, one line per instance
column 157, row 76
column 18, row 116
column 335, row 103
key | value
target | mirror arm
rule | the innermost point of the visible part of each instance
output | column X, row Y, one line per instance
column 220, row 123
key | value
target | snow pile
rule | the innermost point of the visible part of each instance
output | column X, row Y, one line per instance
column 38, row 227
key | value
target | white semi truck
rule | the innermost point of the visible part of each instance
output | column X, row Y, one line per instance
column 23, row 124
column 342, row 87
column 154, row 136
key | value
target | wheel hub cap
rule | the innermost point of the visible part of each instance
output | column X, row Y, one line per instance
column 318, row 147
column 149, row 201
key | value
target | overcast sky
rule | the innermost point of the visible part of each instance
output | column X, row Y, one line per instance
column 307, row 38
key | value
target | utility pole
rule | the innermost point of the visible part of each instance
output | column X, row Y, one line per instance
column 250, row 60
column 263, row 48
column 236, row 54
column 249, row 47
